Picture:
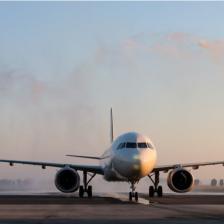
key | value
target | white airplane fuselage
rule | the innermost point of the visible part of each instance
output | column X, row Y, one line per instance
column 131, row 157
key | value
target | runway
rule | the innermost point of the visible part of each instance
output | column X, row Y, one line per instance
column 57, row 208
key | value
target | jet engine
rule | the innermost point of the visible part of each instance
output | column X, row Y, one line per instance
column 67, row 180
column 180, row 180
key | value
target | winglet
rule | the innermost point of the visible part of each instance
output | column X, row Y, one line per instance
column 111, row 126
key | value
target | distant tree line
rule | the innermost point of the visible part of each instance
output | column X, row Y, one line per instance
column 18, row 184
column 214, row 182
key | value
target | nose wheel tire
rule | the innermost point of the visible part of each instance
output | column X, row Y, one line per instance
column 136, row 196
column 133, row 195
column 130, row 196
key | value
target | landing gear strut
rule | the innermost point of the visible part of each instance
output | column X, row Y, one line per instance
column 133, row 193
column 86, row 187
column 156, row 188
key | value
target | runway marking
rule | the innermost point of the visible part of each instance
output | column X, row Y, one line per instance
column 124, row 198
column 143, row 201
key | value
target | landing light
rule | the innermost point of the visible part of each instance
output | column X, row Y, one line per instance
column 136, row 157
column 136, row 167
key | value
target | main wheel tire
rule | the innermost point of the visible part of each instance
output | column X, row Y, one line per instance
column 90, row 191
column 130, row 196
column 81, row 191
column 160, row 191
column 136, row 196
column 151, row 191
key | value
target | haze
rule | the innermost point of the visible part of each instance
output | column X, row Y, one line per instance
column 63, row 65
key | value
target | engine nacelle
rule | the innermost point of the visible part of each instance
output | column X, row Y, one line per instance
column 67, row 180
column 180, row 180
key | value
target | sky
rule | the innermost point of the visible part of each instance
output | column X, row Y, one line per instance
column 64, row 64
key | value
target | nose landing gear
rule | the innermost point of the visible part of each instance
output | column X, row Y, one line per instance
column 133, row 193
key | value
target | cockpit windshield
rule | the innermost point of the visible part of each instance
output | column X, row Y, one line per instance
column 142, row 145
column 131, row 145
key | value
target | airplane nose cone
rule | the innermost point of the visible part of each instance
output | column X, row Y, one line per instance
column 127, row 163
column 147, row 160
column 135, row 163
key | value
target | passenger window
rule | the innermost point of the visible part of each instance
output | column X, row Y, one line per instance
column 131, row 145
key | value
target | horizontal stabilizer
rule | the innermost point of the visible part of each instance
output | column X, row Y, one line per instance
column 86, row 157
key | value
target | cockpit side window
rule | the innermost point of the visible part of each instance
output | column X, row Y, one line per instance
column 131, row 145
column 149, row 145
column 121, row 145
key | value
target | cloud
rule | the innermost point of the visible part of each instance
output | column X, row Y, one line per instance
column 216, row 45
column 130, row 43
column 21, row 84
column 179, row 36
column 117, row 60
column 215, row 48
column 173, row 46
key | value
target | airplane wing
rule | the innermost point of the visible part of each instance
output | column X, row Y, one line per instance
column 85, row 157
column 194, row 166
column 88, row 168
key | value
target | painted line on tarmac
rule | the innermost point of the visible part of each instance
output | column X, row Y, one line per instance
column 124, row 198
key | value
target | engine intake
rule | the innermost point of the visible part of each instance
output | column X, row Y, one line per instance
column 180, row 180
column 67, row 180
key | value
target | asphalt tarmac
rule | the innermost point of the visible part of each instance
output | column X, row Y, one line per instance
column 114, row 208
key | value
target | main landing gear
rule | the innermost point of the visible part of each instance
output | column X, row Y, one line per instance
column 133, row 193
column 86, row 187
column 156, row 188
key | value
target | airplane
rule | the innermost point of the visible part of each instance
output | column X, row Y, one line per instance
column 131, row 157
